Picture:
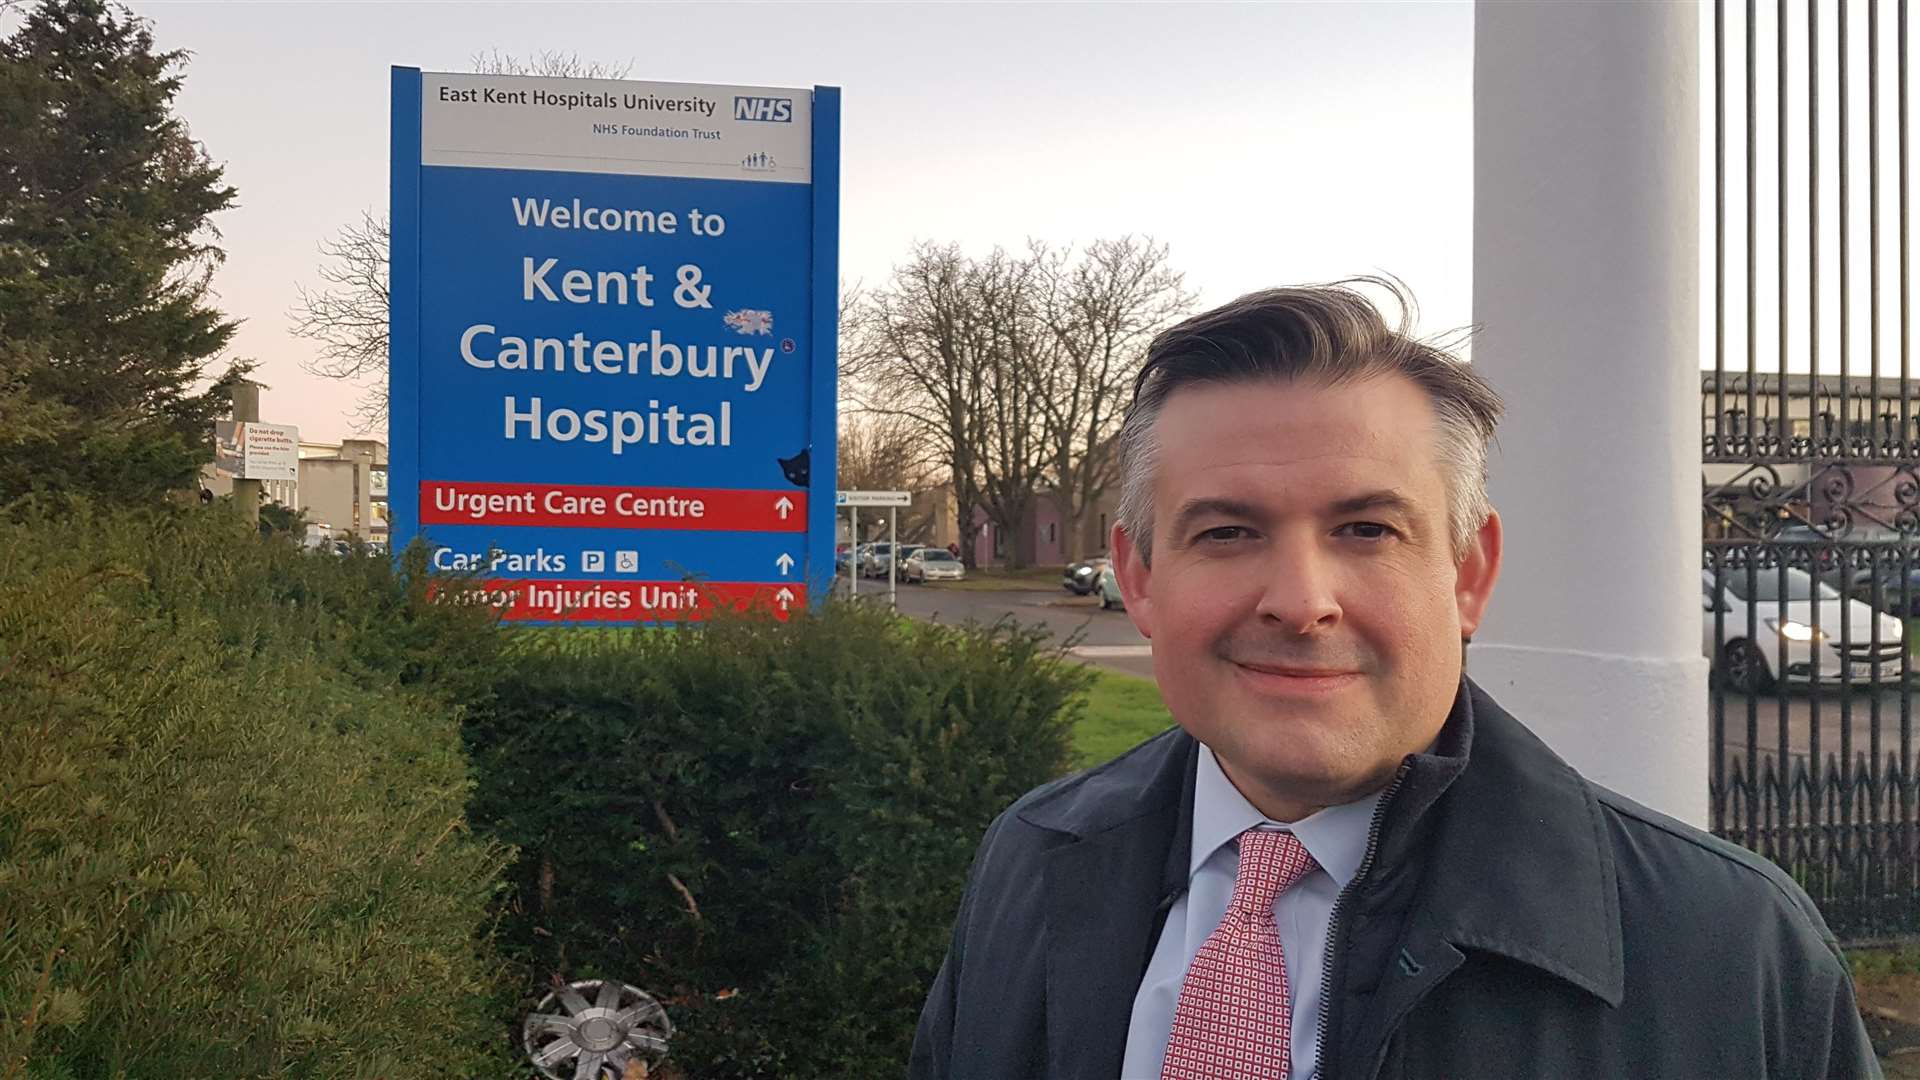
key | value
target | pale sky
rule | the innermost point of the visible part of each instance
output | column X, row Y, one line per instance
column 1266, row 143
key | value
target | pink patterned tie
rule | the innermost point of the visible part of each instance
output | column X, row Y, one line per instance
column 1233, row 1020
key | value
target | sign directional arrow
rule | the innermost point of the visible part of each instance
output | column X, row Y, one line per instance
column 785, row 506
column 784, row 562
column 785, row 596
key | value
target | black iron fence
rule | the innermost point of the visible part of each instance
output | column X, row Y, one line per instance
column 1810, row 582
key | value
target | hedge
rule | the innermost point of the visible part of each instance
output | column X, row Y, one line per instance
column 234, row 804
column 232, row 799
column 765, row 824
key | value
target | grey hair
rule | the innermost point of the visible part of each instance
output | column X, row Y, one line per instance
column 1329, row 334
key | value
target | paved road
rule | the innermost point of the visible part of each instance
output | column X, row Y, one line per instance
column 1829, row 711
column 1105, row 638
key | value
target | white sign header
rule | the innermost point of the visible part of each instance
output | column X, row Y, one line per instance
column 693, row 130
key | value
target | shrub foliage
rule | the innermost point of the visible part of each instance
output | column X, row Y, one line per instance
column 232, row 797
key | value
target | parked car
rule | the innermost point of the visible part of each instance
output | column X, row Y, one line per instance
column 903, row 552
column 1899, row 593
column 1081, row 577
column 849, row 561
column 1108, row 587
column 1834, row 554
column 932, row 564
column 878, row 559
column 1748, row 664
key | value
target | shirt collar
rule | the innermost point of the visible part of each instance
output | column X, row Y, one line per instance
column 1336, row 837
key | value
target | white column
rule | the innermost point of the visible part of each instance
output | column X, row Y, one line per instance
column 1586, row 287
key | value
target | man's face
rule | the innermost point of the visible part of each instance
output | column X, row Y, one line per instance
column 1304, row 602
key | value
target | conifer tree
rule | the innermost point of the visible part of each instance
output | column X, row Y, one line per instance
column 107, row 326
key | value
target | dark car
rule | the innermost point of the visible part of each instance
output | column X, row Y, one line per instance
column 1081, row 577
column 1899, row 593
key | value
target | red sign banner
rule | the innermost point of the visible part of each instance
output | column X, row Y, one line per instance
column 538, row 600
column 590, row 506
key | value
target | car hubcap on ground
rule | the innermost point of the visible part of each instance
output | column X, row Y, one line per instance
column 592, row 1029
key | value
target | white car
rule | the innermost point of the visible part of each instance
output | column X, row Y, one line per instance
column 1751, row 664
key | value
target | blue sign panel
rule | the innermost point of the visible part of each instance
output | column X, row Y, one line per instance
column 612, row 352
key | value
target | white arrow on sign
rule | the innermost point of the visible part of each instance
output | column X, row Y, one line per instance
column 785, row 506
column 785, row 596
column 784, row 562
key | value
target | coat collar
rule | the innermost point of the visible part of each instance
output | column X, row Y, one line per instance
column 1509, row 839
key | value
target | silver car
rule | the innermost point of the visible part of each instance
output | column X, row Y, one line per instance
column 932, row 564
column 877, row 559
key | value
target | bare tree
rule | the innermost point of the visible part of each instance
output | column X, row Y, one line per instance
column 1014, row 453
column 552, row 64
column 886, row 453
column 926, row 353
column 951, row 344
column 859, row 341
column 348, row 315
column 1101, row 310
column 883, row 453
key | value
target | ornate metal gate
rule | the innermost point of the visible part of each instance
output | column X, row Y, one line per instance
column 1811, row 446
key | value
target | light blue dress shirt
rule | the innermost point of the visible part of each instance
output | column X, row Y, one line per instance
column 1336, row 838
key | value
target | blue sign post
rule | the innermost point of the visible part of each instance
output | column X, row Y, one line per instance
column 613, row 370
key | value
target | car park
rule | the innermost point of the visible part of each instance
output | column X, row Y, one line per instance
column 1803, row 631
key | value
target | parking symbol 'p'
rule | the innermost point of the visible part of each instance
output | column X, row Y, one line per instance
column 593, row 562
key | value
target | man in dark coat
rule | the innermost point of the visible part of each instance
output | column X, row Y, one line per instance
column 1348, row 860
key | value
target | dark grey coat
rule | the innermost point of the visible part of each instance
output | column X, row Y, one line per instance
column 1513, row 920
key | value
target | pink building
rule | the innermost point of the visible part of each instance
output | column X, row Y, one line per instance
column 1044, row 531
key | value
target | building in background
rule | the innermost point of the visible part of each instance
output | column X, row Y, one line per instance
column 342, row 486
column 1044, row 532
column 934, row 518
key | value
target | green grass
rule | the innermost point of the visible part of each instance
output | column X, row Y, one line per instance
column 1881, row 964
column 1122, row 711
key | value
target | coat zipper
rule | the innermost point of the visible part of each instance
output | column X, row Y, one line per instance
column 1336, row 940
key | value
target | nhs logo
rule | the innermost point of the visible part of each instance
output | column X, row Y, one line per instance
column 772, row 109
